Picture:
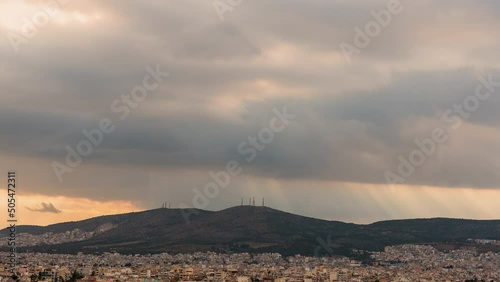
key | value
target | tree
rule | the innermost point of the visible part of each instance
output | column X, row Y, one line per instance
column 75, row 276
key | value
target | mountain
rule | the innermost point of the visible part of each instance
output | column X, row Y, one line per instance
column 245, row 229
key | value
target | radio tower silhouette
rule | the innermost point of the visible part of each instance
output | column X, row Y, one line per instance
column 253, row 202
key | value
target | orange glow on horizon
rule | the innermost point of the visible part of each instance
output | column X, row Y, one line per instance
column 72, row 209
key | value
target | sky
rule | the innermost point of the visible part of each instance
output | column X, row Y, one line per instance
column 347, row 110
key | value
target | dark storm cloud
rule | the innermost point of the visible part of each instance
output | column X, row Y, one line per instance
column 330, row 139
column 353, row 120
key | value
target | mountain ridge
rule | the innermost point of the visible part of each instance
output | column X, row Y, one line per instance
column 250, row 229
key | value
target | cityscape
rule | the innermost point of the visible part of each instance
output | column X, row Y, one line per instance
column 249, row 141
column 106, row 254
column 402, row 263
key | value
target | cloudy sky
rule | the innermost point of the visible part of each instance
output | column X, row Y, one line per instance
column 429, row 72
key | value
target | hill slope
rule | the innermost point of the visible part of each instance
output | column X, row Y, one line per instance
column 252, row 229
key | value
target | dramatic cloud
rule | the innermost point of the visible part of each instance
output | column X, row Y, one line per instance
column 355, row 120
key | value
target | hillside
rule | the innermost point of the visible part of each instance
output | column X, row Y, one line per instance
column 252, row 229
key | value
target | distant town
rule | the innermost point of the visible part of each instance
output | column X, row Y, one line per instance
column 403, row 263
column 50, row 238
